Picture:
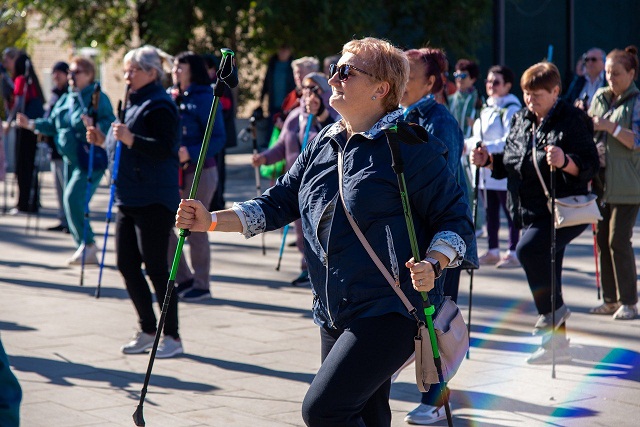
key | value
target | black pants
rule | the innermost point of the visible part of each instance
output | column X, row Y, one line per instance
column 142, row 235
column 28, row 195
column 617, row 261
column 534, row 254
column 352, row 386
column 218, row 203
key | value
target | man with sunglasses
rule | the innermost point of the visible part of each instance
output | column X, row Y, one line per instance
column 582, row 88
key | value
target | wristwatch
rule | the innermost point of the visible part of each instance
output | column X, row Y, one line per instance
column 437, row 270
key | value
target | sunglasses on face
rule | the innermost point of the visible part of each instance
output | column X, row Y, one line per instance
column 460, row 76
column 590, row 59
column 313, row 89
column 493, row 82
column 344, row 71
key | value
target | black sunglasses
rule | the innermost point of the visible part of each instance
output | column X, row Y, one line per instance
column 590, row 59
column 344, row 71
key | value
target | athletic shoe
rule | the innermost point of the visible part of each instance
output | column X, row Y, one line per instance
column 543, row 324
column 626, row 312
column 91, row 256
column 607, row 308
column 169, row 347
column 59, row 227
column 302, row 279
column 194, row 294
column 544, row 356
column 508, row 261
column 489, row 259
column 426, row 414
column 140, row 343
column 183, row 287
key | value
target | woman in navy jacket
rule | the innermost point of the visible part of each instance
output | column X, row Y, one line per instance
column 194, row 100
column 366, row 332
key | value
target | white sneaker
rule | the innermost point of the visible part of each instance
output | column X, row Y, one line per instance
column 140, row 343
column 169, row 347
column 426, row 414
column 544, row 356
column 91, row 256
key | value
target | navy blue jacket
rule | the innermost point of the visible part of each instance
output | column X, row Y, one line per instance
column 148, row 171
column 194, row 114
column 346, row 283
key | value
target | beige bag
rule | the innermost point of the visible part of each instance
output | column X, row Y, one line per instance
column 572, row 210
column 453, row 344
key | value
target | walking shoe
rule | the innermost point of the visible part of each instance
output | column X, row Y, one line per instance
column 489, row 258
column 544, row 355
column 140, row 343
column 59, row 227
column 543, row 324
column 626, row 312
column 426, row 414
column 605, row 308
column 508, row 261
column 169, row 347
column 91, row 256
column 302, row 279
column 183, row 287
column 193, row 294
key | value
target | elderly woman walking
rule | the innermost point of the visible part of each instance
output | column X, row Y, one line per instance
column 365, row 331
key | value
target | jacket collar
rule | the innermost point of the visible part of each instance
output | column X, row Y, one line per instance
column 391, row 117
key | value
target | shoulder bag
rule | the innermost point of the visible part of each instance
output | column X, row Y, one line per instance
column 572, row 210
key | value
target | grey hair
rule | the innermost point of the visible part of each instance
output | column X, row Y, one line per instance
column 149, row 58
column 601, row 52
column 308, row 63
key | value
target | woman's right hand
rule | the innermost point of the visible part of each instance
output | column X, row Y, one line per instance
column 22, row 120
column 479, row 156
column 192, row 215
column 258, row 160
column 95, row 136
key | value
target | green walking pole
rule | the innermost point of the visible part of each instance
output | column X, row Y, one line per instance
column 392, row 132
column 227, row 74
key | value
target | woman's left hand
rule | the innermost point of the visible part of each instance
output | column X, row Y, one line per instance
column 600, row 123
column 183, row 154
column 422, row 275
column 555, row 156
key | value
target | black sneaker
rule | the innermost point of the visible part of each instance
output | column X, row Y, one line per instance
column 302, row 279
column 59, row 227
column 183, row 287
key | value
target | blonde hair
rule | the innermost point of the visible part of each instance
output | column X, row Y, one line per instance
column 386, row 63
column 309, row 63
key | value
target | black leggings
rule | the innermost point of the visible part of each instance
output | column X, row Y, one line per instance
column 28, row 192
column 352, row 386
column 142, row 235
column 534, row 254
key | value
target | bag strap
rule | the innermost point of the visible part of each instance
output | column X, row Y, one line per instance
column 534, row 157
column 394, row 284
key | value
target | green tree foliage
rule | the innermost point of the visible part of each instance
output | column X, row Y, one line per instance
column 310, row 27
column 12, row 26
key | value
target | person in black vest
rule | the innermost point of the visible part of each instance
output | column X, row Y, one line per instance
column 147, row 195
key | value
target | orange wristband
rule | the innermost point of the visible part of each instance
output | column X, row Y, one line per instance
column 214, row 221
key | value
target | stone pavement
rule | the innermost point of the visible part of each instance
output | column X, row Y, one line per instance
column 252, row 350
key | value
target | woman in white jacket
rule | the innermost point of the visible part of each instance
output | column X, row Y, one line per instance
column 492, row 127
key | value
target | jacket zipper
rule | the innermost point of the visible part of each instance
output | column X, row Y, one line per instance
column 395, row 270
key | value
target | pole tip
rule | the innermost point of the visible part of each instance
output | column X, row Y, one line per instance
column 138, row 419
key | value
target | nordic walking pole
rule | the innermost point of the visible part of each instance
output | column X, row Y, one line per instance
column 552, row 192
column 475, row 218
column 595, row 256
column 228, row 75
column 112, row 190
column 95, row 101
column 254, row 141
column 393, row 139
column 286, row 227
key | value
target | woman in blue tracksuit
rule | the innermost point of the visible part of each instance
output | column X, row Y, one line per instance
column 366, row 332
column 66, row 124
column 194, row 97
